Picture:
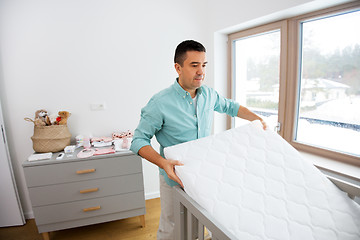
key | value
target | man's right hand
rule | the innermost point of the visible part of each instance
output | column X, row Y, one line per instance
column 169, row 167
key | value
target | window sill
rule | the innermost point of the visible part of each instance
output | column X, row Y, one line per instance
column 344, row 171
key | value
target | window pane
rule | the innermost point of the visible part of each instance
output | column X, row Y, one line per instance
column 256, row 74
column 329, row 105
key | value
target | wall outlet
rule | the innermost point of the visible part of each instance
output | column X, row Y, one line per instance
column 97, row 106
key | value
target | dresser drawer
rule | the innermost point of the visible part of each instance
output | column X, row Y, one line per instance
column 81, row 170
column 66, row 192
column 88, row 208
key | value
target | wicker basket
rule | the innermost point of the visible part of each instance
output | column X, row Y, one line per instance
column 52, row 138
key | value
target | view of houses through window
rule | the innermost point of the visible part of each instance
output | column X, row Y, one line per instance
column 257, row 75
column 329, row 104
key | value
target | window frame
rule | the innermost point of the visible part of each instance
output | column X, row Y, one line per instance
column 290, row 76
column 282, row 26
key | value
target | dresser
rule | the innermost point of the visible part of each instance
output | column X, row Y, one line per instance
column 74, row 192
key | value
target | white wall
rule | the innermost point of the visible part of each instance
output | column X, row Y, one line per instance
column 64, row 55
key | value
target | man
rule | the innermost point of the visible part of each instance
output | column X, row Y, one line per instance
column 180, row 113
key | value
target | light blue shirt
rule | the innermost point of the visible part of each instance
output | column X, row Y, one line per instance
column 170, row 115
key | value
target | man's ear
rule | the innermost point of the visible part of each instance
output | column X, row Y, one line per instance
column 178, row 68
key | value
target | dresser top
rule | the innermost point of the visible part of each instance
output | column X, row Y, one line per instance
column 73, row 158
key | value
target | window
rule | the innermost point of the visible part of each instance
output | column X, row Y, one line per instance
column 313, row 60
column 328, row 113
column 257, row 57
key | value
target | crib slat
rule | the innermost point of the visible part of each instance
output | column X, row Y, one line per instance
column 200, row 231
column 179, row 212
column 192, row 224
column 183, row 212
column 189, row 226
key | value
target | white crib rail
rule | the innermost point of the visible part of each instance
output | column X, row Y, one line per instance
column 191, row 218
column 351, row 189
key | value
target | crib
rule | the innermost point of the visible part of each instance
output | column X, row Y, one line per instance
column 264, row 189
column 191, row 219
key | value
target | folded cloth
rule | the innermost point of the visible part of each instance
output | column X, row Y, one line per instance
column 39, row 156
column 104, row 151
column 101, row 144
column 106, row 139
column 96, row 139
column 101, row 139
column 85, row 153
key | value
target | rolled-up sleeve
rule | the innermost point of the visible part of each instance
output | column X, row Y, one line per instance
column 225, row 105
column 150, row 122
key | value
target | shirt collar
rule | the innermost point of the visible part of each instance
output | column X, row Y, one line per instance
column 182, row 92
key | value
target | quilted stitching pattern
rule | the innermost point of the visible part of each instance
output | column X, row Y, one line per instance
column 259, row 187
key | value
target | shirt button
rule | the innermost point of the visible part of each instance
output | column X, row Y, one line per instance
column 184, row 96
column 194, row 116
column 187, row 93
column 190, row 102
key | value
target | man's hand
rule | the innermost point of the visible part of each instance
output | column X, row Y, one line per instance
column 264, row 124
column 151, row 155
column 169, row 167
column 245, row 113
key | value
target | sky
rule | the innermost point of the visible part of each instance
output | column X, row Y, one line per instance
column 328, row 33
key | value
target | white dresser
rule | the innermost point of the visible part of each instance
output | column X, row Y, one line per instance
column 74, row 192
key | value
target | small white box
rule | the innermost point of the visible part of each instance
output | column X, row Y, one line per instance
column 69, row 149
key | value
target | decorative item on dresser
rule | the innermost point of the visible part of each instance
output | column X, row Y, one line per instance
column 74, row 192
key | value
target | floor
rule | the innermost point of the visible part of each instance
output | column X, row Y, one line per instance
column 124, row 229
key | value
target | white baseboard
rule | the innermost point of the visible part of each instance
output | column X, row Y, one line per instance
column 152, row 195
column 29, row 215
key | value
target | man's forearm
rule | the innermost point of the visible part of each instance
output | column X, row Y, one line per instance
column 151, row 155
column 245, row 113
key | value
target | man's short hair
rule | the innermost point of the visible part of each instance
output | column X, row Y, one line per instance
column 183, row 47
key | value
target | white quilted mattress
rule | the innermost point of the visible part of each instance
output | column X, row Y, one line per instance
column 259, row 187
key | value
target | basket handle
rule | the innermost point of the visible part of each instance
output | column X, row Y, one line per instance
column 29, row 120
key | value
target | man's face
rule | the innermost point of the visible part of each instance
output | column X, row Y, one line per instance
column 192, row 73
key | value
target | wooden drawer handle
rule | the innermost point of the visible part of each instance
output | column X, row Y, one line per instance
column 89, row 190
column 91, row 209
column 86, row 171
